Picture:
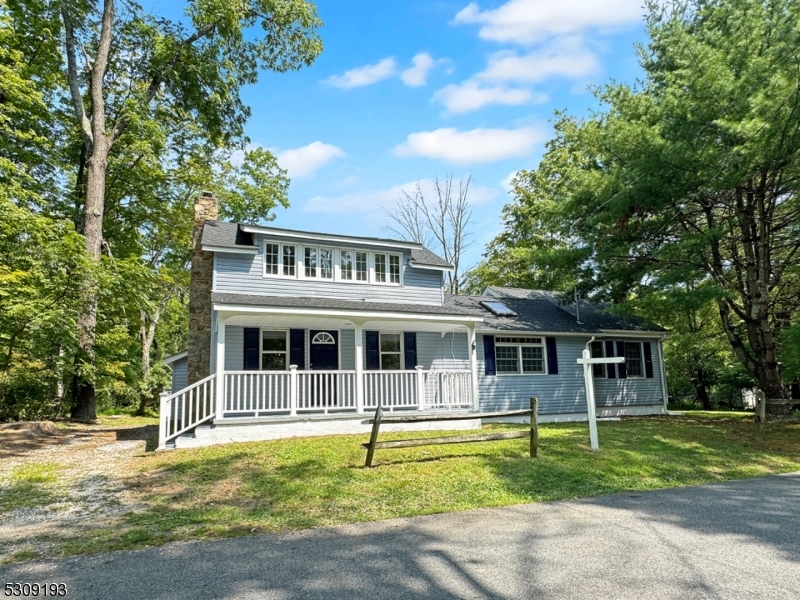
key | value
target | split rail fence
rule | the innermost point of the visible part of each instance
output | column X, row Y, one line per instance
column 533, row 434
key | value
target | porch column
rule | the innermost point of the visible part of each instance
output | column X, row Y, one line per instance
column 473, row 365
column 359, row 367
column 220, row 369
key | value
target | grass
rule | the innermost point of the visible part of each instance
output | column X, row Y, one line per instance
column 29, row 486
column 300, row 483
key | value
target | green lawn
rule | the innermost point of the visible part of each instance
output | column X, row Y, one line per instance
column 310, row 482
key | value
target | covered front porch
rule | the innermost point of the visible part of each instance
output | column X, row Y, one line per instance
column 276, row 365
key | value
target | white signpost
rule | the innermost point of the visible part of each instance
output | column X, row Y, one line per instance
column 588, row 377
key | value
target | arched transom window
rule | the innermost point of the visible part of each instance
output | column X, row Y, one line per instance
column 323, row 337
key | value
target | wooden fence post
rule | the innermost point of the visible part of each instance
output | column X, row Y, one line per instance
column 376, row 424
column 534, row 427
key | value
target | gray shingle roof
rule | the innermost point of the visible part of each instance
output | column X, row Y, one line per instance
column 336, row 304
column 230, row 235
column 594, row 317
column 226, row 235
column 423, row 256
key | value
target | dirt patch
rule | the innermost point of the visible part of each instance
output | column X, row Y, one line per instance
column 89, row 488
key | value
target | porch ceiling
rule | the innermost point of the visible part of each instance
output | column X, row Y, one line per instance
column 314, row 322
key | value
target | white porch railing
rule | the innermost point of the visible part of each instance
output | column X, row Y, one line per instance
column 258, row 394
column 186, row 409
column 326, row 391
column 448, row 389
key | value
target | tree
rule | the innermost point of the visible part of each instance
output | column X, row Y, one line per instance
column 128, row 72
column 445, row 221
column 693, row 176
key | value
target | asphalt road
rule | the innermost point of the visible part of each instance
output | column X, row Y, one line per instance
column 732, row 540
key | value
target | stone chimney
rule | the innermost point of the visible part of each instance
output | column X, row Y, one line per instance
column 205, row 209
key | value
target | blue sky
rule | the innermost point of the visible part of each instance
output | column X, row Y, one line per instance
column 412, row 90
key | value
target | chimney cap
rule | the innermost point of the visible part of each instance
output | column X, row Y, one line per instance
column 207, row 194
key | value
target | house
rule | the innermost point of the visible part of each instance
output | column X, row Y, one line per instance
column 300, row 333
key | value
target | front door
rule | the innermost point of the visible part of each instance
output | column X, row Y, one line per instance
column 324, row 356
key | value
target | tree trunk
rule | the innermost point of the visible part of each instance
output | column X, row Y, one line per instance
column 147, row 333
column 701, row 390
column 84, row 403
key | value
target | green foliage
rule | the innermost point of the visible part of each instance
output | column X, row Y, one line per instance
column 174, row 89
column 684, row 192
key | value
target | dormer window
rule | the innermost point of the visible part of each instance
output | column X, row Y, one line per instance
column 311, row 262
column 331, row 264
column 362, row 267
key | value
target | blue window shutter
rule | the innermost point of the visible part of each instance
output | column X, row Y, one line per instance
column 648, row 360
column 488, row 355
column 611, row 368
column 623, row 370
column 373, row 352
column 410, row 349
column 251, row 360
column 297, row 348
column 552, row 356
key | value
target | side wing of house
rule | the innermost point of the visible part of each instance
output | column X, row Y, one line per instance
column 513, row 368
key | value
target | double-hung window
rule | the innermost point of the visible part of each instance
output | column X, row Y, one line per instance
column 380, row 268
column 310, row 262
column 362, row 267
column 519, row 355
column 279, row 259
column 271, row 253
column 387, row 268
column 633, row 359
column 289, row 260
column 274, row 350
column 346, row 265
column 598, row 351
column 391, row 352
column 326, row 263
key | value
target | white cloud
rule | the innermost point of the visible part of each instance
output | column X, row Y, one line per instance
column 567, row 59
column 471, row 147
column 417, row 75
column 530, row 21
column 366, row 75
column 303, row 161
column 472, row 95
column 508, row 74
column 374, row 206
column 506, row 183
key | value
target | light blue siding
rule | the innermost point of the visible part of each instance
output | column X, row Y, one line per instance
column 565, row 393
column 234, row 348
column 442, row 352
column 347, row 349
column 180, row 374
column 243, row 274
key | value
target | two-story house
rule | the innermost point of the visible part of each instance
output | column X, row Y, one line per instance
column 301, row 333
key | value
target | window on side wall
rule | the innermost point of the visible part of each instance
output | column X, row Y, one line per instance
column 598, row 351
column 633, row 359
column 391, row 352
column 519, row 355
column 274, row 350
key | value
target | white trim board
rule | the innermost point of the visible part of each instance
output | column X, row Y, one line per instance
column 327, row 237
